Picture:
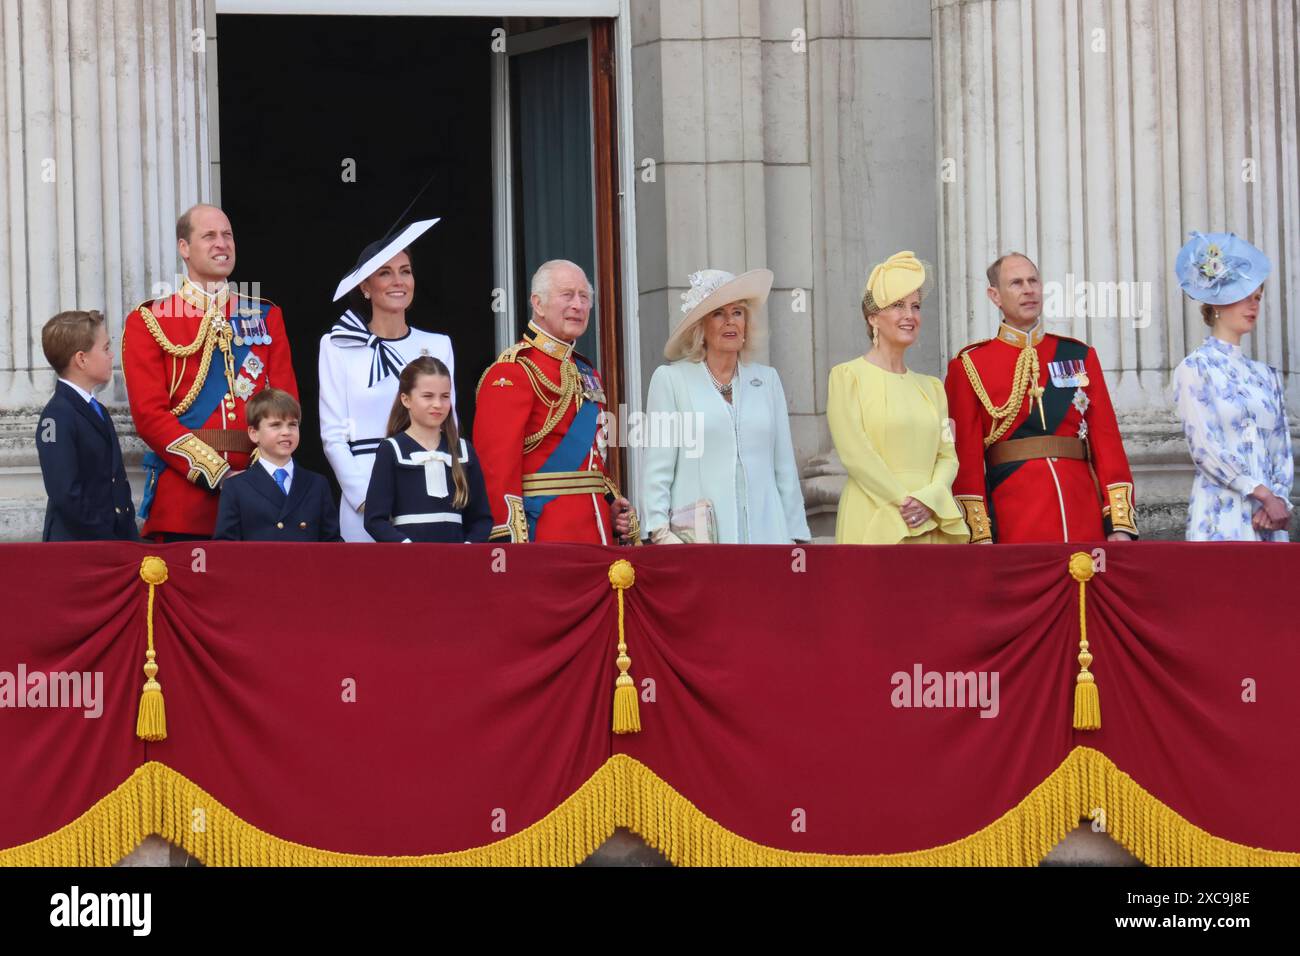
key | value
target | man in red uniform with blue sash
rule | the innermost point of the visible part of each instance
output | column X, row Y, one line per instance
column 1038, row 446
column 538, row 426
column 191, row 363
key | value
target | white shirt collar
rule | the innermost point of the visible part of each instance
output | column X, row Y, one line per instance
column 78, row 389
column 270, row 466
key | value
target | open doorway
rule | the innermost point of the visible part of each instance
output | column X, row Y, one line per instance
column 302, row 99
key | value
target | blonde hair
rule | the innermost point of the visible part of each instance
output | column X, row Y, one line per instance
column 696, row 349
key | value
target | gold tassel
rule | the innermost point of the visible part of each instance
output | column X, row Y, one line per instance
column 627, row 716
column 1087, row 701
column 151, row 724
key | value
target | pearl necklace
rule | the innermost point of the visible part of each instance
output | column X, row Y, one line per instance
column 725, row 390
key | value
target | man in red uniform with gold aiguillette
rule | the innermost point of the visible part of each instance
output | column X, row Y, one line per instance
column 539, row 429
column 191, row 363
column 1038, row 447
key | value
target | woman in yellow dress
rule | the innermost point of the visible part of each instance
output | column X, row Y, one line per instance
column 890, row 425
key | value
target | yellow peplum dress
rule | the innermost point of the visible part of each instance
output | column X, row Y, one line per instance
column 891, row 432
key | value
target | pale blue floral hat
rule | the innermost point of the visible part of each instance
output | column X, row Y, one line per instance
column 1220, row 268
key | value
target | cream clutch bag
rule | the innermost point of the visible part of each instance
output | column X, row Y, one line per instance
column 694, row 523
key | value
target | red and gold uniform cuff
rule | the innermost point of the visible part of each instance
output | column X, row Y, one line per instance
column 515, row 528
column 977, row 517
column 1119, row 508
column 203, row 460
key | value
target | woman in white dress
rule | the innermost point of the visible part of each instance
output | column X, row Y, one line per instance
column 361, row 358
column 728, row 475
column 1233, row 407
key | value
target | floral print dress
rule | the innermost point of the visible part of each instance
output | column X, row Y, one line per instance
column 1234, row 417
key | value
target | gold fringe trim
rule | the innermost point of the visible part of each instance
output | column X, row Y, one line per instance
column 624, row 792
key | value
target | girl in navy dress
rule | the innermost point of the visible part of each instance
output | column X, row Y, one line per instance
column 426, row 484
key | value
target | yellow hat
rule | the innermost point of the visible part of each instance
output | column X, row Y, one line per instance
column 898, row 276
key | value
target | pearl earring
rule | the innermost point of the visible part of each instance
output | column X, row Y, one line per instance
column 367, row 295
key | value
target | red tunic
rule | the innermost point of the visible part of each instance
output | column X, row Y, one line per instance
column 184, row 500
column 514, row 402
column 1042, row 499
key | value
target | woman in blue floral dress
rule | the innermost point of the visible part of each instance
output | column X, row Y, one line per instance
column 1233, row 408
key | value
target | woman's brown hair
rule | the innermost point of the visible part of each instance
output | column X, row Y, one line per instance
column 399, row 420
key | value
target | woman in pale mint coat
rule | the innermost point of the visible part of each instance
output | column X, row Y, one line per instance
column 719, row 462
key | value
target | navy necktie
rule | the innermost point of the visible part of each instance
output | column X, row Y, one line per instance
column 281, row 476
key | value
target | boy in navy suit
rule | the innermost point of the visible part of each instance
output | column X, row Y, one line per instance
column 276, row 500
column 81, row 458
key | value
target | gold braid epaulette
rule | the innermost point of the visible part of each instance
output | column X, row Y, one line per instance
column 164, row 343
column 1004, row 415
column 206, row 338
column 568, row 390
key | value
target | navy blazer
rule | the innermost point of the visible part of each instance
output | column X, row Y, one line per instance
column 85, row 479
column 253, row 508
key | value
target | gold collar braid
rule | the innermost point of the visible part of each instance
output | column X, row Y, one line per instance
column 1023, row 379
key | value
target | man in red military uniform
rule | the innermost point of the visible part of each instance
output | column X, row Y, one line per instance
column 1038, row 447
column 191, row 363
column 539, row 429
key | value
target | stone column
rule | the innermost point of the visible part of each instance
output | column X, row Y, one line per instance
column 1093, row 136
column 792, row 135
column 104, row 111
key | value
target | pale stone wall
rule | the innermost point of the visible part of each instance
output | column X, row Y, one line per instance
column 796, row 136
column 104, row 112
column 1094, row 136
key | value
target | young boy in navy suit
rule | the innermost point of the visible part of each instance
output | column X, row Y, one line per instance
column 81, row 458
column 276, row 500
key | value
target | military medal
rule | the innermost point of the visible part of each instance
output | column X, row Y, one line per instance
column 591, row 389
column 1068, row 374
column 243, row 388
column 253, row 366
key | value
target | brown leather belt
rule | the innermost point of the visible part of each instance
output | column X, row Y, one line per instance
column 225, row 439
column 1044, row 446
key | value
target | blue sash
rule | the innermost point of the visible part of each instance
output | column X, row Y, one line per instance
column 206, row 402
column 567, row 456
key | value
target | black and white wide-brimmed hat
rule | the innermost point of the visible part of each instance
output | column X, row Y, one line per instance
column 377, row 253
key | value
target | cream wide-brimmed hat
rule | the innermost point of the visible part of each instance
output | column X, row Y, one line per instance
column 710, row 290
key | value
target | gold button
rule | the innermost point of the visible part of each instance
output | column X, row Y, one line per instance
column 279, row 524
column 231, row 416
column 302, row 524
column 118, row 510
